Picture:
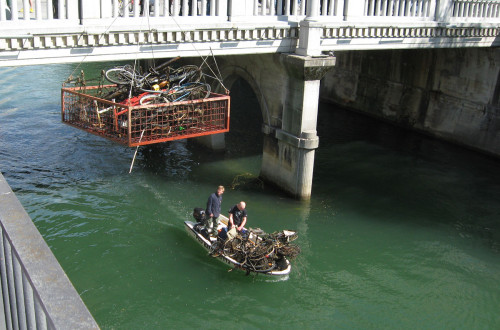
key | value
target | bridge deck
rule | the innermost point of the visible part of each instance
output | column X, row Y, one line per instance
column 100, row 30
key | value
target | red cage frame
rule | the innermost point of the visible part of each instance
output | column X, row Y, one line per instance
column 131, row 124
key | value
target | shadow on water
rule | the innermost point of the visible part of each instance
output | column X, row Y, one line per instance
column 405, row 176
column 178, row 159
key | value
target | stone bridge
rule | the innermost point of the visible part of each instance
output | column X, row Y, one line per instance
column 282, row 48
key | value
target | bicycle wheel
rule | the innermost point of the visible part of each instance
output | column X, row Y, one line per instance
column 185, row 74
column 120, row 75
column 176, row 94
column 263, row 265
column 198, row 90
column 232, row 247
column 152, row 99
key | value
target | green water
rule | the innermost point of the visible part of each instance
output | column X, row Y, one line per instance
column 401, row 231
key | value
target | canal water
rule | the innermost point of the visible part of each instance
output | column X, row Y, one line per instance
column 401, row 231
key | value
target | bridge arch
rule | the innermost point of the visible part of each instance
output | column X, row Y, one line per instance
column 231, row 73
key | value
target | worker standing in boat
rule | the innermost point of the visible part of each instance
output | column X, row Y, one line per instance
column 238, row 216
column 213, row 208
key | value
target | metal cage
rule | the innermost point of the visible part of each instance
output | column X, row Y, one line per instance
column 131, row 124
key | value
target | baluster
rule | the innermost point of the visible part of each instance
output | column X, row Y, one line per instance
column 40, row 317
column 10, row 281
column 175, row 8
column 398, row 7
column 213, row 5
column 495, row 12
column 487, row 9
column 333, row 7
column 136, row 8
column 28, row 303
column 390, row 8
column 5, row 283
column 60, row 9
column 203, row 8
column 114, row 9
column 156, row 7
column 194, row 7
column 38, row 9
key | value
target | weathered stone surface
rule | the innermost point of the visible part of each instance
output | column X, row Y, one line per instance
column 452, row 94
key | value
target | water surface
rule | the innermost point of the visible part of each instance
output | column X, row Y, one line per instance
column 401, row 231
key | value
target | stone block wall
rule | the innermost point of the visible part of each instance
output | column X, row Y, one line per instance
column 452, row 94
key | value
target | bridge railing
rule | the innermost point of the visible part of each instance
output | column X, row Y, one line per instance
column 42, row 10
column 465, row 10
column 35, row 291
column 209, row 11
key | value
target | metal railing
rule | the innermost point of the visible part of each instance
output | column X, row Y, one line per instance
column 36, row 293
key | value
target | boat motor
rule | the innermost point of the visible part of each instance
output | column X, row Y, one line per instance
column 202, row 226
column 199, row 214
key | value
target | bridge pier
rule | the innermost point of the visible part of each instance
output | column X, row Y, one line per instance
column 287, row 89
column 215, row 142
column 288, row 155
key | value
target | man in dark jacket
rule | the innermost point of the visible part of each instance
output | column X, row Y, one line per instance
column 238, row 216
column 213, row 208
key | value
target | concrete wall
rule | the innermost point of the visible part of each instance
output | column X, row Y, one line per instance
column 451, row 94
column 35, row 290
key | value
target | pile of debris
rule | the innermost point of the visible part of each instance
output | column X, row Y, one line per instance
column 258, row 251
column 161, row 84
column 164, row 103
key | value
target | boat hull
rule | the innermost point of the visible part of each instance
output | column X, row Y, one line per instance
column 207, row 245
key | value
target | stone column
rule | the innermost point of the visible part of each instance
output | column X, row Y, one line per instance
column 310, row 31
column 288, row 156
column 215, row 142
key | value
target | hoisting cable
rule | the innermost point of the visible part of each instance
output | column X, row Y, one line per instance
column 204, row 59
column 135, row 153
column 146, row 14
column 102, row 35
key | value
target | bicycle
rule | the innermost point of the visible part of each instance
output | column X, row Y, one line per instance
column 155, row 79
column 190, row 90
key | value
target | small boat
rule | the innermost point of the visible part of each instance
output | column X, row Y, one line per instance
column 276, row 266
